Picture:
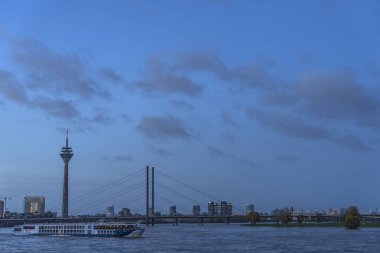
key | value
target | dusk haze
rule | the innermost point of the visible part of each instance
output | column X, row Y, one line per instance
column 256, row 104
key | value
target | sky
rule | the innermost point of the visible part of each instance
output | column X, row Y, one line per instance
column 275, row 103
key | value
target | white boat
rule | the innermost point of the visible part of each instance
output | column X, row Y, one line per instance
column 96, row 229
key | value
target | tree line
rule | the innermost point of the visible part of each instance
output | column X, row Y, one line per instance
column 351, row 218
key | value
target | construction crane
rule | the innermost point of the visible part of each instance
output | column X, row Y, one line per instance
column 6, row 198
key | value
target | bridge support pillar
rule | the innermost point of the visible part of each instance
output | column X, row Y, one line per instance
column 147, row 196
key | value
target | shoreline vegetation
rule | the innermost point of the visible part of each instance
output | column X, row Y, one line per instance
column 311, row 225
column 349, row 219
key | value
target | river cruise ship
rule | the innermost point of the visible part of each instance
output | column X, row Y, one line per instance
column 101, row 229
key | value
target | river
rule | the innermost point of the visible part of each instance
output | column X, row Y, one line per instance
column 206, row 238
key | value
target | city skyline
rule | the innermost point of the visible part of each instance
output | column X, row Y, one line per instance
column 275, row 103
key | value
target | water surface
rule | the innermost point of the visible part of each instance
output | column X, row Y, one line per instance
column 206, row 238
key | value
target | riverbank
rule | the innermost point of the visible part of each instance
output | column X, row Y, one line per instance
column 311, row 225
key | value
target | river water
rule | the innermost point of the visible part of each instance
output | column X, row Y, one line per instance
column 206, row 238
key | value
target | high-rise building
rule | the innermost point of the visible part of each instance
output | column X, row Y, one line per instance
column 229, row 209
column 196, row 210
column 211, row 208
column 2, row 209
column 173, row 210
column 249, row 208
column 66, row 155
column 125, row 212
column 34, row 204
column 223, row 208
column 110, row 211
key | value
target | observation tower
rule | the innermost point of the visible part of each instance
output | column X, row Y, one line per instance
column 66, row 154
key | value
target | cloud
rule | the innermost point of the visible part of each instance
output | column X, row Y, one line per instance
column 215, row 152
column 228, row 137
column 124, row 158
column 12, row 89
column 289, row 125
column 159, row 151
column 57, row 108
column 228, row 120
column 295, row 127
column 337, row 96
column 158, row 79
column 287, row 158
column 163, row 127
column 181, row 104
column 109, row 75
column 354, row 143
column 55, row 73
column 251, row 75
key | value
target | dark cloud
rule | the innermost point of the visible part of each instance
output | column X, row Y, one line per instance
column 289, row 125
column 159, row 79
column 228, row 120
column 12, row 89
column 251, row 75
column 181, row 104
column 353, row 142
column 337, row 96
column 159, row 151
column 215, row 152
column 55, row 73
column 228, row 137
column 299, row 128
column 163, row 127
column 57, row 108
column 287, row 158
column 109, row 75
column 101, row 117
column 283, row 97
column 124, row 158
column 125, row 117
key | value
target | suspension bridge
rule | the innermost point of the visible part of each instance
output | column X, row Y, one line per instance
column 146, row 193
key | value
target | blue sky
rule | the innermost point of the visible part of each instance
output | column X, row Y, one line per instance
column 275, row 103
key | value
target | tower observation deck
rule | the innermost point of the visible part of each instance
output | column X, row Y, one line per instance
column 66, row 155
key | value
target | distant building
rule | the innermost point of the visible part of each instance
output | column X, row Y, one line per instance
column 109, row 211
column 173, row 210
column 221, row 208
column 150, row 211
column 211, row 208
column 125, row 212
column 2, row 209
column 249, row 208
column 34, row 204
column 196, row 210
column 229, row 209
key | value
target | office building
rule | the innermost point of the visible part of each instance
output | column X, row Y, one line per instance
column 249, row 208
column 211, row 208
column 229, row 209
column 125, row 212
column 34, row 204
column 2, row 209
column 110, row 211
column 196, row 210
column 173, row 210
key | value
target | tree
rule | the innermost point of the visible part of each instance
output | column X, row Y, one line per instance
column 253, row 217
column 352, row 218
column 300, row 218
column 318, row 218
column 276, row 215
column 285, row 216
